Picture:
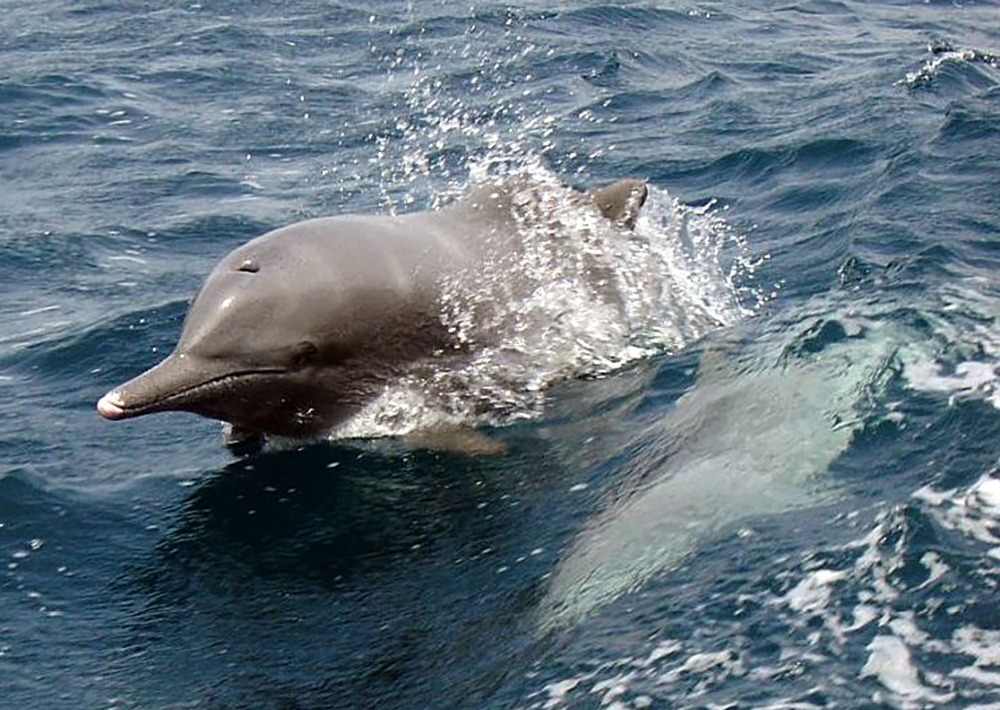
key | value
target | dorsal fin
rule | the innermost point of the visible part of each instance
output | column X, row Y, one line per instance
column 621, row 201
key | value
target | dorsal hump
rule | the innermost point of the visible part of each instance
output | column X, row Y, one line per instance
column 621, row 201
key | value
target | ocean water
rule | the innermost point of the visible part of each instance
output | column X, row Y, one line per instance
column 770, row 479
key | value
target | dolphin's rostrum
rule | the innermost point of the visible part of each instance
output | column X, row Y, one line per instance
column 293, row 332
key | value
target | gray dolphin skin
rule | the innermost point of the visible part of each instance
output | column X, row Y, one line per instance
column 294, row 331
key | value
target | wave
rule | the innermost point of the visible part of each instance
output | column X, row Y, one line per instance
column 944, row 55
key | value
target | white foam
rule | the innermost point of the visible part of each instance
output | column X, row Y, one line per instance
column 970, row 379
column 891, row 663
column 558, row 692
column 702, row 662
column 935, row 566
column 813, row 592
column 975, row 511
column 965, row 321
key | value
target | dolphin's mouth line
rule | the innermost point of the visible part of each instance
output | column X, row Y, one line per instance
column 186, row 392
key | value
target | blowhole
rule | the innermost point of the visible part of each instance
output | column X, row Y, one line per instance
column 249, row 266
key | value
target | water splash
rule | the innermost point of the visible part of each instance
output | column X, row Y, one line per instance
column 589, row 299
column 583, row 298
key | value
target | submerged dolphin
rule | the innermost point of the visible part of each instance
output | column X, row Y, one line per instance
column 752, row 437
column 297, row 329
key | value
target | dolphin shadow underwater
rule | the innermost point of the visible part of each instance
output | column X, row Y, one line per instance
column 294, row 332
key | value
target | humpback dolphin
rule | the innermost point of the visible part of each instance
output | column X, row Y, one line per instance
column 753, row 437
column 293, row 332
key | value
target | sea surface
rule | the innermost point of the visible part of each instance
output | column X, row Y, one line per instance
column 772, row 480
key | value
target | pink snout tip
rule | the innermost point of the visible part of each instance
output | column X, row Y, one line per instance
column 111, row 406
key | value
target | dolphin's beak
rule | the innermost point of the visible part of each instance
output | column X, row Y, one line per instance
column 112, row 406
column 176, row 383
column 152, row 391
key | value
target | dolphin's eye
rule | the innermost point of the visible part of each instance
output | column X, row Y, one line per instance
column 249, row 266
column 305, row 353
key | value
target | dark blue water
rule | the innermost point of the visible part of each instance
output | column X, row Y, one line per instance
column 800, row 508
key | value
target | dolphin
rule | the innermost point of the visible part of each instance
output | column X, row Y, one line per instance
column 752, row 437
column 293, row 332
